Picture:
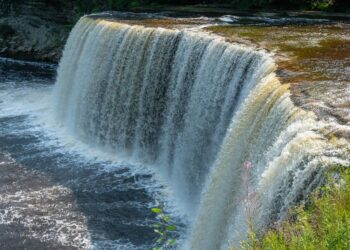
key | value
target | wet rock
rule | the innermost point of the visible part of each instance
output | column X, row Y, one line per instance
column 36, row 30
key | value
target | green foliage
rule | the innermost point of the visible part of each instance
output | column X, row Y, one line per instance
column 164, row 230
column 8, row 6
column 6, row 31
column 246, row 4
column 322, row 224
column 156, row 210
column 307, row 4
column 88, row 6
column 258, row 4
column 284, row 4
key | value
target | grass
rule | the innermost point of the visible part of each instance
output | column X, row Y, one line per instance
column 322, row 224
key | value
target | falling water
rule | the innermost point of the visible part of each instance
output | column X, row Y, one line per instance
column 196, row 108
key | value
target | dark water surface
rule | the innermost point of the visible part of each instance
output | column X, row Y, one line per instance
column 52, row 197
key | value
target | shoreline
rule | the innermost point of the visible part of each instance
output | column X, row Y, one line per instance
column 30, row 37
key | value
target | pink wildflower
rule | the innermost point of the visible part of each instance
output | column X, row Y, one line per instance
column 248, row 165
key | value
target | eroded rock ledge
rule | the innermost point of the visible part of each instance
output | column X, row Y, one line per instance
column 35, row 30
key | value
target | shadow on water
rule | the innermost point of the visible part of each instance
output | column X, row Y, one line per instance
column 55, row 200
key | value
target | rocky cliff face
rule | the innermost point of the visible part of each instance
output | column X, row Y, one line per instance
column 35, row 29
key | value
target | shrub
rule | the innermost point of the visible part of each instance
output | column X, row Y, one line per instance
column 322, row 224
column 6, row 31
column 164, row 229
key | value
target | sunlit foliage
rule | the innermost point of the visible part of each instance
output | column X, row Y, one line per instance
column 322, row 224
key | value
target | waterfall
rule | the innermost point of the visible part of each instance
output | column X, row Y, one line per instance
column 197, row 109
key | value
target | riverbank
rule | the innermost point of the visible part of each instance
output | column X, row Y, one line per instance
column 38, row 31
column 35, row 30
column 313, row 59
column 208, row 91
column 32, row 38
column 322, row 223
column 219, row 10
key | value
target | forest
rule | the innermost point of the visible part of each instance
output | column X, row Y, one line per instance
column 332, row 5
column 100, row 5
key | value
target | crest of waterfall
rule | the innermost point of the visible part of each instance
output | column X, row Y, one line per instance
column 196, row 108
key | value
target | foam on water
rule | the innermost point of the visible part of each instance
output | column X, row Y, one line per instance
column 52, row 171
column 140, row 116
column 194, row 108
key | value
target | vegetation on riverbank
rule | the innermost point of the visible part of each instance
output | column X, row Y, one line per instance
column 323, row 223
column 329, row 5
column 37, row 29
column 88, row 6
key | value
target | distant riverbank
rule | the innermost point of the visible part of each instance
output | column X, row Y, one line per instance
column 36, row 30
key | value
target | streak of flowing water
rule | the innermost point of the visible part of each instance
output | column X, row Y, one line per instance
column 160, row 96
column 209, row 118
column 195, row 108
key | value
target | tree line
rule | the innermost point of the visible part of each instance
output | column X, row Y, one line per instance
column 331, row 5
column 87, row 6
